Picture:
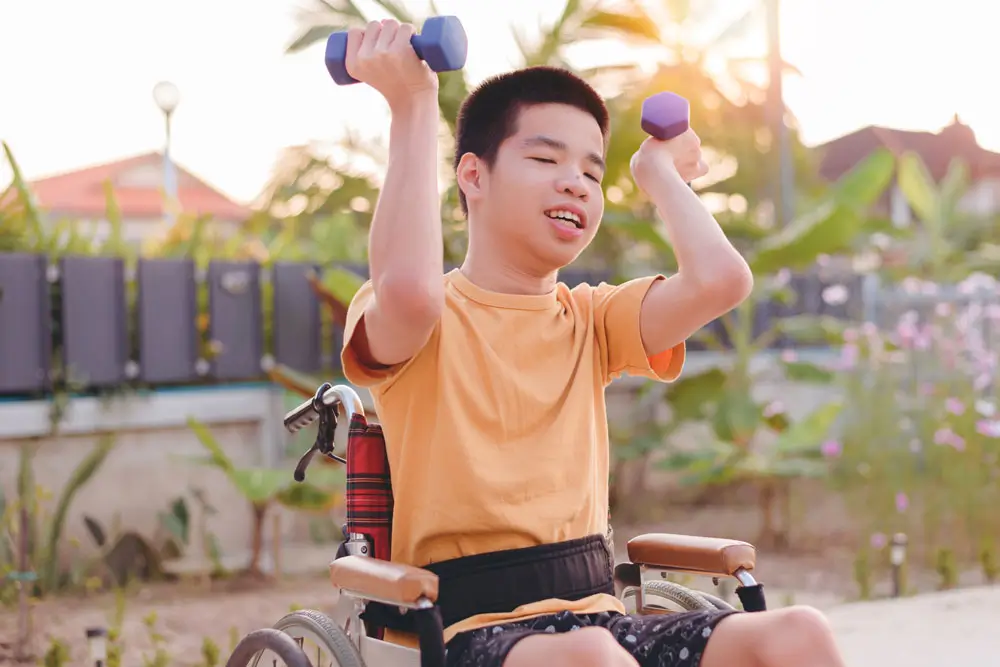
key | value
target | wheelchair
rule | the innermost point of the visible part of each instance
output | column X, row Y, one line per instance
column 376, row 595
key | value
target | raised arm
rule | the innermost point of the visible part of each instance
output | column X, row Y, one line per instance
column 712, row 277
column 405, row 245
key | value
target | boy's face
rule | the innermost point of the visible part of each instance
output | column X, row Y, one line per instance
column 541, row 203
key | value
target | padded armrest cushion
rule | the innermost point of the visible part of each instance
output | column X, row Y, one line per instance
column 705, row 555
column 389, row 582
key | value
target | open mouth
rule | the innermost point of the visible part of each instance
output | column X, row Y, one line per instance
column 569, row 218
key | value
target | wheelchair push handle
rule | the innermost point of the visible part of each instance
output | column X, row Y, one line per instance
column 324, row 406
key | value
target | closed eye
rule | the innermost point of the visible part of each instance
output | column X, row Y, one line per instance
column 546, row 160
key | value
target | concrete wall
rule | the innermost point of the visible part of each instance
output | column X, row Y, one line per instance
column 147, row 469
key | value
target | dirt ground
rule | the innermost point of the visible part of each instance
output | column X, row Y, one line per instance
column 188, row 613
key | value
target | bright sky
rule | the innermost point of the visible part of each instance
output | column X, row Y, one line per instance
column 77, row 76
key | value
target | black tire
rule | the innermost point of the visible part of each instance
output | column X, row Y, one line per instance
column 685, row 598
column 268, row 639
column 320, row 629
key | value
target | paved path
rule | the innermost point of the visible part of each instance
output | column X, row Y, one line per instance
column 954, row 628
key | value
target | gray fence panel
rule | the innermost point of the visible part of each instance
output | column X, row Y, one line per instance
column 25, row 333
column 167, row 307
column 235, row 320
column 296, row 320
column 94, row 328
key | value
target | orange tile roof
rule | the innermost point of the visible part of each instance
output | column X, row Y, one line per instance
column 955, row 141
column 81, row 193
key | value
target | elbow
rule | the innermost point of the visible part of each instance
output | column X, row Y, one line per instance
column 729, row 285
column 418, row 299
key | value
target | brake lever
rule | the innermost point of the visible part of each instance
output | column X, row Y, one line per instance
column 324, row 437
column 300, row 468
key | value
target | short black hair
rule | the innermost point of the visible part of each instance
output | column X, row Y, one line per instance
column 488, row 116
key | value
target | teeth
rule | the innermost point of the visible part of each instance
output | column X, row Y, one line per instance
column 569, row 216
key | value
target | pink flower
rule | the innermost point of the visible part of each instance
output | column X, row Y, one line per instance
column 989, row 427
column 911, row 284
column 831, row 449
column 954, row 406
column 773, row 408
column 902, row 502
column 878, row 541
column 789, row 356
column 985, row 408
column 945, row 436
column 848, row 356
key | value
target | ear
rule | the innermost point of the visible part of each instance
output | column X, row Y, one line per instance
column 469, row 176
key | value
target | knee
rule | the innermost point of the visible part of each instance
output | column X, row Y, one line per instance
column 792, row 634
column 595, row 647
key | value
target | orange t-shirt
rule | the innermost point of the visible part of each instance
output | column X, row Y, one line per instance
column 496, row 429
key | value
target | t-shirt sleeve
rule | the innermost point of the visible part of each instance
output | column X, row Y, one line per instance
column 355, row 369
column 616, row 321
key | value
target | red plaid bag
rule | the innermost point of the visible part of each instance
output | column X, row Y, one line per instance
column 369, row 488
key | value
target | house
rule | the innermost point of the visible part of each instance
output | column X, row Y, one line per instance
column 955, row 141
column 138, row 187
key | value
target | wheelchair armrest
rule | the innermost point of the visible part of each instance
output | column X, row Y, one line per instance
column 392, row 583
column 700, row 555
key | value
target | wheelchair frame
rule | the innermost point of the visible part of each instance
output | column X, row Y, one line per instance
column 362, row 579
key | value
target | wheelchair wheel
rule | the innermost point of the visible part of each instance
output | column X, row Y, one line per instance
column 270, row 642
column 719, row 603
column 669, row 592
column 319, row 638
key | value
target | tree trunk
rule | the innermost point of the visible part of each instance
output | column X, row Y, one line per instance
column 257, row 542
column 784, row 535
column 765, row 508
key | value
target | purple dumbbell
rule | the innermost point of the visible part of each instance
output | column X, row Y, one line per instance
column 442, row 44
column 665, row 116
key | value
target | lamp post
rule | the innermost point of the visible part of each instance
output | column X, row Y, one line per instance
column 166, row 96
column 897, row 557
column 97, row 646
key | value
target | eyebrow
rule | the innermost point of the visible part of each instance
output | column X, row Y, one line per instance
column 542, row 140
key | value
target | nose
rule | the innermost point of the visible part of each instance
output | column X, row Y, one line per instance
column 572, row 184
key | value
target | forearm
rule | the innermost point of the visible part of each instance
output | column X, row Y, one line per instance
column 405, row 245
column 704, row 254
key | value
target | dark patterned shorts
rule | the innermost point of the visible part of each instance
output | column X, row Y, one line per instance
column 662, row 640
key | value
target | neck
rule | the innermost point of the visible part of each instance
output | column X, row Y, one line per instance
column 493, row 271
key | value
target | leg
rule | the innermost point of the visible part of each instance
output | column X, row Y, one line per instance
column 588, row 647
column 557, row 640
column 792, row 637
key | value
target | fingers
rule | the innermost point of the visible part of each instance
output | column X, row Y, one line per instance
column 369, row 40
column 386, row 35
column 403, row 35
column 354, row 39
column 370, row 48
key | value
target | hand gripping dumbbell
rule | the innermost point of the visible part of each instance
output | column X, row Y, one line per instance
column 442, row 44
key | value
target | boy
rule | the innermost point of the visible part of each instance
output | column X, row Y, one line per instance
column 489, row 380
